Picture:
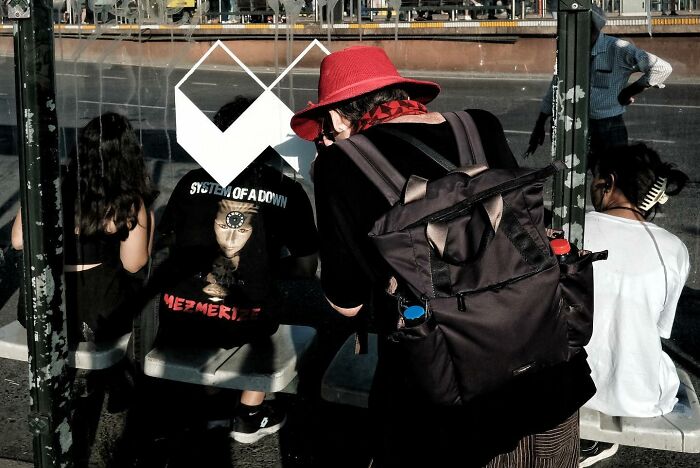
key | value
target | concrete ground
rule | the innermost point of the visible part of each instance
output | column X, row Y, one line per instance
column 164, row 424
column 4, row 463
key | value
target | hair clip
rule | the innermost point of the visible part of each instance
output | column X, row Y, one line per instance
column 656, row 194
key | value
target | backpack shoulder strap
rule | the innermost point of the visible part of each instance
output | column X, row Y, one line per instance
column 418, row 144
column 374, row 165
column 471, row 152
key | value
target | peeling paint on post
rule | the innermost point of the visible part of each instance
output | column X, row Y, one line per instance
column 49, row 419
column 570, row 143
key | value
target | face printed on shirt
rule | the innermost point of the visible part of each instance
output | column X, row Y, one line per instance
column 233, row 226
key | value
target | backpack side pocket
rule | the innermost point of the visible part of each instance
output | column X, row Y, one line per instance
column 576, row 281
column 431, row 368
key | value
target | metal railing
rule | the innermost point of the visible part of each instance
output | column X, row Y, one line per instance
column 259, row 11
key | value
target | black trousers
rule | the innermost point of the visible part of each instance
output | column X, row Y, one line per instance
column 605, row 133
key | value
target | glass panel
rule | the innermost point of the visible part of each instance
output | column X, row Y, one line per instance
column 128, row 56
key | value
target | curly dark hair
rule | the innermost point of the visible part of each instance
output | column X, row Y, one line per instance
column 106, row 178
column 636, row 167
column 355, row 108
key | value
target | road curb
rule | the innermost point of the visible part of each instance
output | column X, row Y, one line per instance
column 9, row 463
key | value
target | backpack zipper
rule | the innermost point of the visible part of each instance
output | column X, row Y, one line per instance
column 461, row 303
column 454, row 211
column 461, row 306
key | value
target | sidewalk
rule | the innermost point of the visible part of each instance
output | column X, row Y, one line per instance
column 5, row 463
column 166, row 422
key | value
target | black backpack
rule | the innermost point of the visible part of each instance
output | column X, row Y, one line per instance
column 472, row 248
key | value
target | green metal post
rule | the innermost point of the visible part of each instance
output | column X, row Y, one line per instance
column 570, row 117
column 42, row 225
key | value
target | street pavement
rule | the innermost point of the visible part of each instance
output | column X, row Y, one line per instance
column 5, row 463
column 164, row 424
column 667, row 118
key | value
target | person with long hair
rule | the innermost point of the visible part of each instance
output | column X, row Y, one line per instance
column 636, row 289
column 361, row 92
column 108, row 228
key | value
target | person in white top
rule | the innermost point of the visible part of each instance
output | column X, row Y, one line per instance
column 637, row 289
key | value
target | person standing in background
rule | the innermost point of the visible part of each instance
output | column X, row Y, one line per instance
column 613, row 61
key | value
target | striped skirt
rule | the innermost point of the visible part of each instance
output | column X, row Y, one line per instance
column 555, row 448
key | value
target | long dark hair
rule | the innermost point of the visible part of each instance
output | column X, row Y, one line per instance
column 636, row 168
column 106, row 179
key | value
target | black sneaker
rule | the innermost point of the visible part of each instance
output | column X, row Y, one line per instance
column 250, row 428
column 592, row 452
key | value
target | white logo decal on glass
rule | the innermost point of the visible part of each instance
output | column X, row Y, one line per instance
column 265, row 123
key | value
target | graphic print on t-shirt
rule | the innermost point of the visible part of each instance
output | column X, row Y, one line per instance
column 239, row 193
column 233, row 228
column 225, row 253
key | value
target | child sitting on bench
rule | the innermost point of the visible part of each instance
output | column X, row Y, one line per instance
column 225, row 248
column 636, row 289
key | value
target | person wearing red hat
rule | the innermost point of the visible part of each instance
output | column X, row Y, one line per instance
column 360, row 91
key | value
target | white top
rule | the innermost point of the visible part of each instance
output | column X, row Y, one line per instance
column 636, row 293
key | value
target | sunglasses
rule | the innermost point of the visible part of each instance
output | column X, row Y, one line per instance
column 327, row 128
column 326, row 134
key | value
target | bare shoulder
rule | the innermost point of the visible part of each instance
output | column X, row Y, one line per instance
column 429, row 118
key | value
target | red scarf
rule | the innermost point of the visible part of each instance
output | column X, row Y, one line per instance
column 388, row 111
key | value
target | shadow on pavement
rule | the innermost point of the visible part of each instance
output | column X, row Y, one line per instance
column 684, row 344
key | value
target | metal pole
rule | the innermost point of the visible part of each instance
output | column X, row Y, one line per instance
column 571, row 116
column 330, row 4
column 359, row 17
column 42, row 224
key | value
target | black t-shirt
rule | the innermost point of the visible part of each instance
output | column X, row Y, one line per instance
column 225, row 248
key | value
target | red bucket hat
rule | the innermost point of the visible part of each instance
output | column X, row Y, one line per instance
column 350, row 73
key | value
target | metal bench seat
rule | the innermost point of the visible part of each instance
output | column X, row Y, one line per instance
column 268, row 366
column 349, row 377
column 678, row 431
column 89, row 356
